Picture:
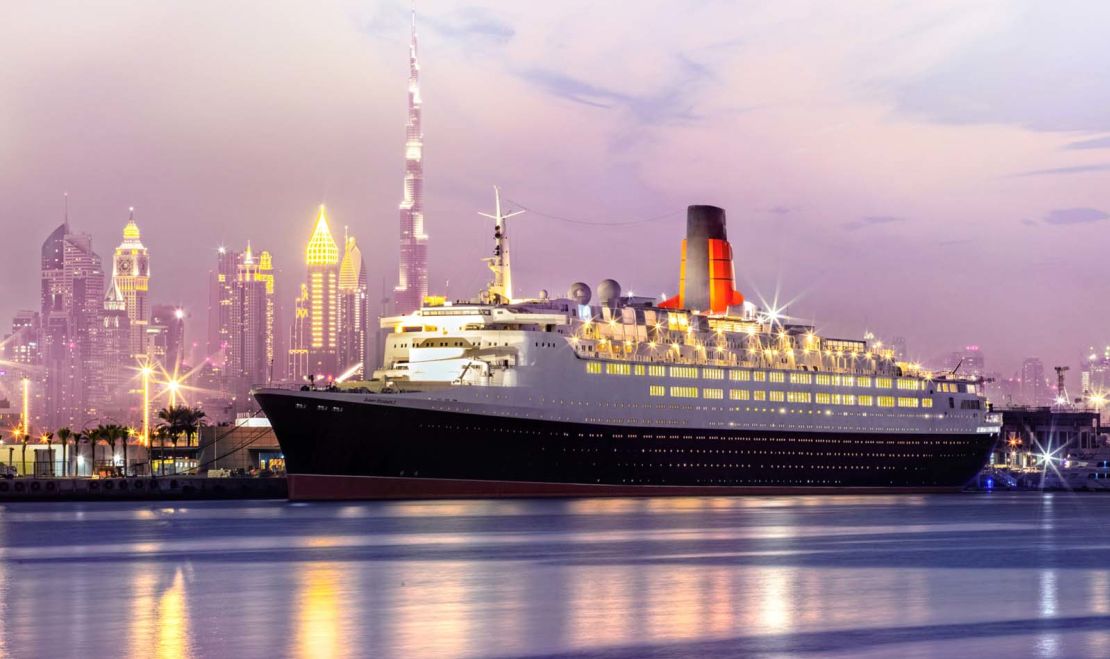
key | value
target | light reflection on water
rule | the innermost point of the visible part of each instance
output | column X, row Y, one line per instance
column 813, row 576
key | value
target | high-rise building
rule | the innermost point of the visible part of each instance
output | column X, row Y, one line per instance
column 113, row 357
column 23, row 345
column 72, row 300
column 220, row 284
column 322, row 261
column 131, row 275
column 1095, row 372
column 299, row 337
column 412, row 283
column 250, row 353
column 167, row 332
column 1034, row 387
column 352, row 311
column 22, row 352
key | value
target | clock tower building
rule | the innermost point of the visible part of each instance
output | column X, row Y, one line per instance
column 131, row 276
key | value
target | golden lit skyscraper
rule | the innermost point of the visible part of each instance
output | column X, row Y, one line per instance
column 322, row 259
column 131, row 275
column 352, row 310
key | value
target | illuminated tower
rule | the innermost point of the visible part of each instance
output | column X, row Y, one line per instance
column 299, row 337
column 250, row 352
column 412, row 283
column 352, row 310
column 322, row 259
column 131, row 274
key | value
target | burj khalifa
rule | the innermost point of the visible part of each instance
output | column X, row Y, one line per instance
column 412, row 284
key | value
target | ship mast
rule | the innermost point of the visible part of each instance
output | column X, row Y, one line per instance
column 500, row 290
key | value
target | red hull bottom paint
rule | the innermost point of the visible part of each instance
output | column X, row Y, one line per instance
column 310, row 487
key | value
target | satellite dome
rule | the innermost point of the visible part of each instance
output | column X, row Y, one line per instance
column 580, row 293
column 609, row 292
column 543, row 293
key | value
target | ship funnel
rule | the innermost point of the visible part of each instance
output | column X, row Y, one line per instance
column 706, row 274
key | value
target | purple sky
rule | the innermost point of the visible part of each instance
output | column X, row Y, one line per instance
column 936, row 170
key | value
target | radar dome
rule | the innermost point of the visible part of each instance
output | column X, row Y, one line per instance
column 580, row 293
column 543, row 293
column 609, row 292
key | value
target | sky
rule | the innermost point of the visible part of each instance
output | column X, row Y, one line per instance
column 938, row 171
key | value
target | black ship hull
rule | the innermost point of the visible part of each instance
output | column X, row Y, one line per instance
column 355, row 450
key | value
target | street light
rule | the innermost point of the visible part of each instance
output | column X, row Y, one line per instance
column 146, row 371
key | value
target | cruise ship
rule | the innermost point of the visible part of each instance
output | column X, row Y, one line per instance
column 700, row 394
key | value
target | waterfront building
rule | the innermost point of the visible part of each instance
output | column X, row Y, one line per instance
column 352, row 311
column 1094, row 373
column 322, row 262
column 1034, row 387
column 20, row 358
column 412, row 285
column 131, row 275
column 1030, row 435
column 72, row 300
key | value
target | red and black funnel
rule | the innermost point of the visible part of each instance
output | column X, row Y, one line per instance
column 706, row 275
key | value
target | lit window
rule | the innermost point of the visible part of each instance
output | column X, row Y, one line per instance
column 740, row 376
column 684, row 392
column 713, row 394
column 759, row 395
column 908, row 402
column 759, row 376
column 926, row 402
column 884, row 383
column 801, row 378
column 684, row 372
column 657, row 371
column 639, row 369
column 713, row 374
column 739, row 394
column 823, row 398
column 798, row 397
column 863, row 381
column 824, row 379
column 778, row 396
column 777, row 376
column 847, row 381
column 886, row 401
column 618, row 369
column 593, row 367
column 657, row 390
column 866, row 401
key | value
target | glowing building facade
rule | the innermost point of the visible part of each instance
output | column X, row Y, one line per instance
column 412, row 283
column 321, row 340
column 352, row 311
column 131, row 275
column 72, row 302
column 250, row 353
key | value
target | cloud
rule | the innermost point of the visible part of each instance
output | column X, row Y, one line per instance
column 1095, row 143
column 1029, row 223
column 472, row 24
column 672, row 102
column 1038, row 66
column 872, row 220
column 1075, row 169
column 1067, row 216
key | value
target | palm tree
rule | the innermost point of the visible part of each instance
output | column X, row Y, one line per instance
column 23, row 437
column 113, row 433
column 95, row 435
column 64, row 435
column 78, row 437
column 45, row 439
column 175, row 421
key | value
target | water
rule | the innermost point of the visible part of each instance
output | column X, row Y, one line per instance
column 952, row 576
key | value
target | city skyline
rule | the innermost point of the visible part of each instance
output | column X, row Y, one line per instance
column 813, row 215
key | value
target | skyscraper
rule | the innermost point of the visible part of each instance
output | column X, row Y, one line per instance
column 113, row 359
column 220, row 285
column 412, row 283
column 131, row 275
column 322, row 260
column 352, row 310
column 72, row 300
column 167, row 329
column 299, row 337
column 1034, row 387
column 250, row 352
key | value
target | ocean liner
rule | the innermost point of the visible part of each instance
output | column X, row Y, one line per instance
column 703, row 393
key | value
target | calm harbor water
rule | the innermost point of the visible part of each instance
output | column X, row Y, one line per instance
column 961, row 575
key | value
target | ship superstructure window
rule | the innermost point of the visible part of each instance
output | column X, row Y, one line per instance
column 824, row 379
column 759, row 394
column 777, row 376
column 684, row 372
column 684, row 392
column 798, row 397
column 657, row 371
column 904, row 401
column 824, row 398
column 657, row 390
column 926, row 402
column 847, row 381
column 866, row 401
column 739, row 394
column 740, row 376
column 759, row 376
column 713, row 374
column 863, row 381
column 713, row 394
column 639, row 369
column 593, row 367
column 613, row 368
column 883, row 383
column 778, row 396
column 886, row 401
column 801, row 378
column 907, row 384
